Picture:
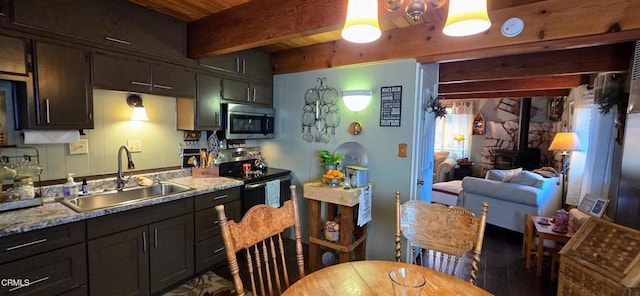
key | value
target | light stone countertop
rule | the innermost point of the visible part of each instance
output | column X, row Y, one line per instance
column 53, row 213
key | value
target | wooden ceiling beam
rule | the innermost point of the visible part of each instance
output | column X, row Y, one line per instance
column 615, row 57
column 260, row 23
column 508, row 94
column 519, row 84
column 570, row 23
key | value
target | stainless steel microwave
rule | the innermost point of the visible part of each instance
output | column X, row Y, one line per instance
column 248, row 122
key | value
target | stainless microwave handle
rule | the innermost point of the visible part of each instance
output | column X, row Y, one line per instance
column 262, row 184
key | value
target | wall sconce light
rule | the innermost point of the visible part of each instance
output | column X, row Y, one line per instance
column 356, row 100
column 361, row 25
column 139, row 112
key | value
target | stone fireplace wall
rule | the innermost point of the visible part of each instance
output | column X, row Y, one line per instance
column 504, row 135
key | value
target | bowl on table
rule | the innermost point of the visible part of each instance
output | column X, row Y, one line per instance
column 332, row 181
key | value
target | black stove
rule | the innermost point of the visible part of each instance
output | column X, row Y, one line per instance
column 231, row 163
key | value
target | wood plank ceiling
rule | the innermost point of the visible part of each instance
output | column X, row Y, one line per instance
column 564, row 42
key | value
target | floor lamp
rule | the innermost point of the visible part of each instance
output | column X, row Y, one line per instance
column 565, row 142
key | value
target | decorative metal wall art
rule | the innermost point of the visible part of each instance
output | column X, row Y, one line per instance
column 320, row 113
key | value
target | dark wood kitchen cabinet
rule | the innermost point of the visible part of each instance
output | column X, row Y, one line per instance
column 113, row 23
column 207, row 107
column 253, row 64
column 129, row 73
column 13, row 55
column 247, row 92
column 144, row 251
column 62, row 95
column 52, row 259
column 209, row 246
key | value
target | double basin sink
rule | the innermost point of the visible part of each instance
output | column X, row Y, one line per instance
column 126, row 196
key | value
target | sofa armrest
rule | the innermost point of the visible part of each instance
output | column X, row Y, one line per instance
column 443, row 172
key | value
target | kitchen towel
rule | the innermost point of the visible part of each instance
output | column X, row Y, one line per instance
column 272, row 193
column 50, row 137
column 364, row 210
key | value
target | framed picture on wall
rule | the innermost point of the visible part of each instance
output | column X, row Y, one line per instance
column 598, row 207
column 554, row 109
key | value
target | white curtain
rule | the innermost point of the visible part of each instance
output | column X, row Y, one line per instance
column 590, row 168
column 453, row 132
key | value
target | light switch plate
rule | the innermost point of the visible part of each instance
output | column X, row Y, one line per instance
column 402, row 150
column 135, row 145
column 80, row 147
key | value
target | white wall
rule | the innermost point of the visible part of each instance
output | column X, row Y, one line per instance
column 387, row 171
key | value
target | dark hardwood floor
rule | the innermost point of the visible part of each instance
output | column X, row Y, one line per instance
column 502, row 269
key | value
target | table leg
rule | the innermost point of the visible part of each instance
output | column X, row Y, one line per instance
column 314, row 231
column 540, row 254
column 346, row 227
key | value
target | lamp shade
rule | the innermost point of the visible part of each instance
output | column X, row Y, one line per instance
column 139, row 114
column 361, row 25
column 356, row 100
column 565, row 142
column 466, row 17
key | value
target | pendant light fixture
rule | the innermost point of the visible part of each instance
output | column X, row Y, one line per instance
column 361, row 25
column 466, row 17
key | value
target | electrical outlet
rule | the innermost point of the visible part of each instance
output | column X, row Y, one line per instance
column 135, row 145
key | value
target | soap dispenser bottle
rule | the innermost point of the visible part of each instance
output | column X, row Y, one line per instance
column 70, row 189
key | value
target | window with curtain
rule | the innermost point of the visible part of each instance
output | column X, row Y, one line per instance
column 453, row 132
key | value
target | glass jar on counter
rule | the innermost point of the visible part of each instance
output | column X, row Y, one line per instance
column 23, row 187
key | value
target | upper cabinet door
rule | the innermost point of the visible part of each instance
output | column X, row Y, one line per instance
column 13, row 55
column 252, row 64
column 109, row 22
column 208, row 102
column 121, row 73
column 64, row 97
column 236, row 90
column 170, row 80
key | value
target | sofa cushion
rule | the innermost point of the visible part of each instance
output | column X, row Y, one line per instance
column 528, row 178
column 511, row 192
column 502, row 175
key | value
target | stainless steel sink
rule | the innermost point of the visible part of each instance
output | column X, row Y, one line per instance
column 127, row 196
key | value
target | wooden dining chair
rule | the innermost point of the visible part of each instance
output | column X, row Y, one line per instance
column 259, row 238
column 447, row 239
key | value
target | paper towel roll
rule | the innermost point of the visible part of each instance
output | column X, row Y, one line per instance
column 50, row 137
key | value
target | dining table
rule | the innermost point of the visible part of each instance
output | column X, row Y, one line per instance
column 371, row 277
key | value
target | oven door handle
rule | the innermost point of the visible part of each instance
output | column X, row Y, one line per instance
column 262, row 184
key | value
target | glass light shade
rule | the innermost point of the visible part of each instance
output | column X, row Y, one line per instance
column 458, row 137
column 565, row 142
column 139, row 114
column 361, row 25
column 466, row 17
column 356, row 100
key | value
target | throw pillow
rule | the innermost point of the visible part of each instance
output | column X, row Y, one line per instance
column 502, row 175
column 527, row 178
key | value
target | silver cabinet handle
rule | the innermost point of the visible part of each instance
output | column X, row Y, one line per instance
column 254, row 94
column 221, row 197
column 46, row 107
column 162, row 86
column 117, row 40
column 216, row 222
column 237, row 65
column 155, row 238
column 144, row 241
column 30, row 284
column 244, row 66
column 140, row 83
column 248, row 94
column 218, row 250
column 26, row 244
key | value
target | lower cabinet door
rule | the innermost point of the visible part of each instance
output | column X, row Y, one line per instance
column 50, row 273
column 171, row 252
column 119, row 263
column 209, row 252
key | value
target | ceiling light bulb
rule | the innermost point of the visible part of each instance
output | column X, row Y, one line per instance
column 466, row 17
column 415, row 9
column 361, row 25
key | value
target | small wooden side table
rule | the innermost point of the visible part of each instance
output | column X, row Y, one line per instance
column 545, row 232
column 461, row 171
column 336, row 199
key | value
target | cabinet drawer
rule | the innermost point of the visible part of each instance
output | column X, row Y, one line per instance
column 209, row 252
column 129, row 219
column 39, row 241
column 213, row 199
column 207, row 220
column 51, row 273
